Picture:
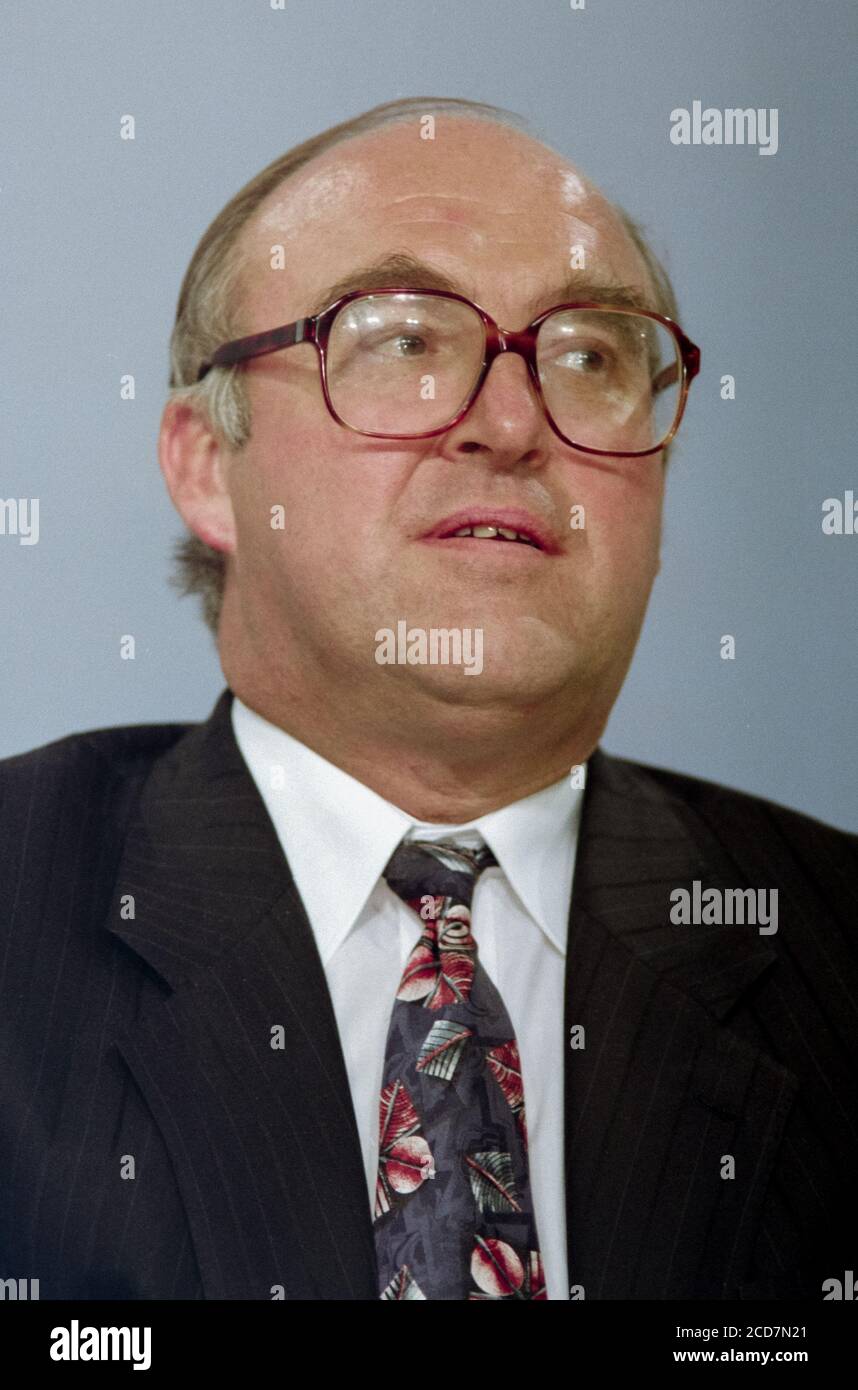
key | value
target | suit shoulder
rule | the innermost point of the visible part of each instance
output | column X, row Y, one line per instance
column 79, row 766
column 64, row 811
column 744, row 820
column 709, row 795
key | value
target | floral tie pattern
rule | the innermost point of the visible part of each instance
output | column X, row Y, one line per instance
column 453, row 1208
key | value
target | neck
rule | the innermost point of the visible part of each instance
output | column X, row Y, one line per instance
column 437, row 761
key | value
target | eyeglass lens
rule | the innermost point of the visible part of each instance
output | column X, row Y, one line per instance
column 406, row 363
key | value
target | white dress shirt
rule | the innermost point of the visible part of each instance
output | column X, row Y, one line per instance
column 338, row 835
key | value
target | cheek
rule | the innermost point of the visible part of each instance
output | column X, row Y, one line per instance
column 309, row 516
column 624, row 517
column 280, row 485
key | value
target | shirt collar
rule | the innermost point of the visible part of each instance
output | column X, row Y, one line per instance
column 338, row 834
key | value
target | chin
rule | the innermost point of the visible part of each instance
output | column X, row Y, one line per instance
column 497, row 683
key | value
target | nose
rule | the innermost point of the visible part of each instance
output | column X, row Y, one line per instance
column 506, row 422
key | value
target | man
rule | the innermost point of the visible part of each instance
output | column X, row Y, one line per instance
column 386, row 981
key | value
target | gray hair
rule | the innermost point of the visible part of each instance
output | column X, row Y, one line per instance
column 209, row 309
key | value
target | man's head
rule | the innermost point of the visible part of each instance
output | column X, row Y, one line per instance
column 500, row 217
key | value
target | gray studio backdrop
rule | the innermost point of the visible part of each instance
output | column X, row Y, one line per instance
column 97, row 232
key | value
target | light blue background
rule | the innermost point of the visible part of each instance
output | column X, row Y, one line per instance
column 97, row 233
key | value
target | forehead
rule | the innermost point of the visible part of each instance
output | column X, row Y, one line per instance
column 496, row 211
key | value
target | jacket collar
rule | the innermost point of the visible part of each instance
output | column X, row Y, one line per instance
column 642, row 842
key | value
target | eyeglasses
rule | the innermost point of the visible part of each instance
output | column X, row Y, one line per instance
column 408, row 364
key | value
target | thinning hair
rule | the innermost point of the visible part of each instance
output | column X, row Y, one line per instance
column 209, row 308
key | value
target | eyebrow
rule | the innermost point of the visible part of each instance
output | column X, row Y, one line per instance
column 414, row 274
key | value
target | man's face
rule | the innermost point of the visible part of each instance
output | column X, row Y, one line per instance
column 499, row 216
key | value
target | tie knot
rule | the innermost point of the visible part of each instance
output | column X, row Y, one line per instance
column 437, row 867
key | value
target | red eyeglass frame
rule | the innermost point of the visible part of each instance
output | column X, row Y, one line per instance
column 316, row 329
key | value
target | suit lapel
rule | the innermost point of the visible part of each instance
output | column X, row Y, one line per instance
column 262, row 1137
column 662, row 1089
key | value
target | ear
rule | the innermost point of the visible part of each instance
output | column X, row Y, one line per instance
column 194, row 465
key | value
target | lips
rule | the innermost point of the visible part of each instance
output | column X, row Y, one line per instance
column 487, row 533
column 502, row 526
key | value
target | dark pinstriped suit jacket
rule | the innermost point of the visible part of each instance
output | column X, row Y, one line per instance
column 149, row 1036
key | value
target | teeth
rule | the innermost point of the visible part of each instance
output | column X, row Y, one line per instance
column 492, row 533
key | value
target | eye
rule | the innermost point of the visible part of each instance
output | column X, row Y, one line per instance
column 588, row 361
column 399, row 345
column 410, row 344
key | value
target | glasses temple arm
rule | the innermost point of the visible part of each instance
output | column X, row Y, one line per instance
column 257, row 344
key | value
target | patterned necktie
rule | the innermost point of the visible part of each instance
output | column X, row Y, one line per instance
column 453, row 1211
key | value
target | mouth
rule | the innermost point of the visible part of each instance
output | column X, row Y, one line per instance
column 510, row 530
